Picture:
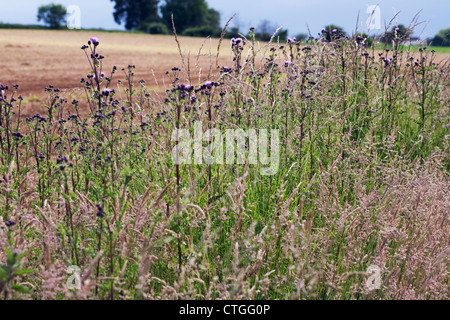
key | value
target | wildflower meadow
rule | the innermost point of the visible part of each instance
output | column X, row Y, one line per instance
column 313, row 169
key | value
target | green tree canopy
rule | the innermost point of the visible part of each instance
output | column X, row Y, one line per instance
column 135, row 12
column 53, row 15
column 442, row 38
column 188, row 14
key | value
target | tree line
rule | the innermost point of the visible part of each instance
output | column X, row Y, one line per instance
column 190, row 17
column 196, row 18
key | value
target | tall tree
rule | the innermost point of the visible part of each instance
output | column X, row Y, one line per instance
column 213, row 18
column 54, row 15
column 442, row 38
column 189, row 14
column 135, row 12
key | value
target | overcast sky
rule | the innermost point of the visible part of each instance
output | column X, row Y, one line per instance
column 294, row 15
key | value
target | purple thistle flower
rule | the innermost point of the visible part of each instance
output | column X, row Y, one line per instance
column 237, row 41
column 94, row 41
column 17, row 135
column 10, row 223
column 61, row 160
column 106, row 92
column 208, row 84
column 100, row 211
column 225, row 69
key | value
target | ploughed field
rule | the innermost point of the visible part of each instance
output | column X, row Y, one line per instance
column 35, row 59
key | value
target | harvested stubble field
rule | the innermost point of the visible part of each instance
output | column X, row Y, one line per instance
column 94, row 206
column 36, row 58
